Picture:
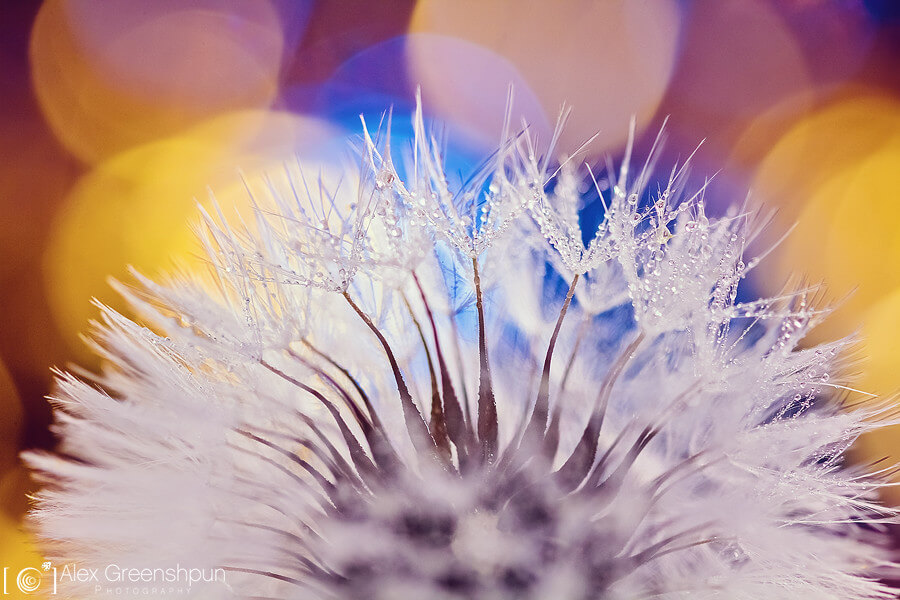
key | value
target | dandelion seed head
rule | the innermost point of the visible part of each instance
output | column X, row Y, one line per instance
column 384, row 398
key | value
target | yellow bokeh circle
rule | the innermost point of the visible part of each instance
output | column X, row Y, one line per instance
column 136, row 208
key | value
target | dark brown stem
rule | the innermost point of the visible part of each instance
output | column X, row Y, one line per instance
column 373, row 415
column 437, row 423
column 457, row 427
column 614, row 372
column 322, row 449
column 582, row 330
column 415, row 424
column 381, row 448
column 323, row 482
column 361, row 419
column 538, row 423
column 487, row 407
column 361, row 460
column 579, row 463
column 462, row 372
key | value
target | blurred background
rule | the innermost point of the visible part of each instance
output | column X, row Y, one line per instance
column 115, row 118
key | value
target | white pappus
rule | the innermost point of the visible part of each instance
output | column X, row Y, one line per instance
column 383, row 396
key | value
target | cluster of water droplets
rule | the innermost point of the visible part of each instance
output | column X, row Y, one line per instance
column 676, row 461
column 557, row 217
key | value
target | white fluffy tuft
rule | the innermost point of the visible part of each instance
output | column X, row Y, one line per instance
column 386, row 398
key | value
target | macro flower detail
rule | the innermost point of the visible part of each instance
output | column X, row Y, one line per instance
column 408, row 387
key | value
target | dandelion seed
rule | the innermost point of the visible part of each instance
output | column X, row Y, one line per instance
column 379, row 401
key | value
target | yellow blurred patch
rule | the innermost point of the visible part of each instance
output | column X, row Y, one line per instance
column 881, row 336
column 17, row 552
column 136, row 209
column 835, row 175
